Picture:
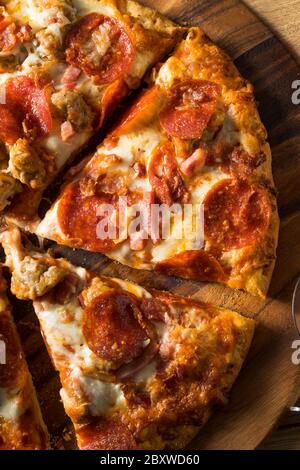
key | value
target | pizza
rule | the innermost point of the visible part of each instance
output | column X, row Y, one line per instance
column 193, row 138
column 21, row 422
column 140, row 368
column 64, row 67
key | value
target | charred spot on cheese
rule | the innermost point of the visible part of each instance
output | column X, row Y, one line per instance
column 101, row 47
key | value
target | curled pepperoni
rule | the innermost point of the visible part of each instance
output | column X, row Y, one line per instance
column 26, row 111
column 189, row 109
column 165, row 177
column 78, row 219
column 105, row 435
column 196, row 265
column 101, row 47
column 113, row 330
column 236, row 214
column 12, row 370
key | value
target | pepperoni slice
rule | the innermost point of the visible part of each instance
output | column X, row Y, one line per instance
column 112, row 328
column 105, row 435
column 101, row 47
column 195, row 265
column 10, row 372
column 189, row 109
column 112, row 97
column 165, row 177
column 77, row 217
column 142, row 112
column 10, row 128
column 236, row 214
column 26, row 111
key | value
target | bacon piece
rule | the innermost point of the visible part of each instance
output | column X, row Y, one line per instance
column 105, row 435
column 70, row 76
column 196, row 265
column 240, row 163
column 165, row 177
column 112, row 328
column 67, row 131
column 189, row 109
column 195, row 162
column 153, row 309
column 236, row 214
column 112, row 50
column 139, row 169
column 10, row 34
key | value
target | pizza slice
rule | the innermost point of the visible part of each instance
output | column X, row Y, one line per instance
column 65, row 66
column 192, row 141
column 140, row 368
column 21, row 422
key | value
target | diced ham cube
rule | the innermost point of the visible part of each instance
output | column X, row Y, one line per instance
column 138, row 241
column 67, row 131
column 70, row 76
column 195, row 162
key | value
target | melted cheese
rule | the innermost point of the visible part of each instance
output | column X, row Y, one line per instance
column 61, row 325
column 40, row 14
column 63, row 151
column 10, row 407
column 134, row 289
column 106, row 7
column 102, row 396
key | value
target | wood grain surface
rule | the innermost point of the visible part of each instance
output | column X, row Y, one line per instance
column 283, row 18
column 269, row 382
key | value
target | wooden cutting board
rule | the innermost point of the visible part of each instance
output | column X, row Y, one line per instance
column 269, row 382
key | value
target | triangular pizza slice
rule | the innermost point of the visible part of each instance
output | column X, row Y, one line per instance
column 140, row 368
column 192, row 142
column 64, row 67
column 21, row 422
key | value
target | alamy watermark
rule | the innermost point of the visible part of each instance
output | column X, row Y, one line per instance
column 2, row 352
column 148, row 221
column 296, row 93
